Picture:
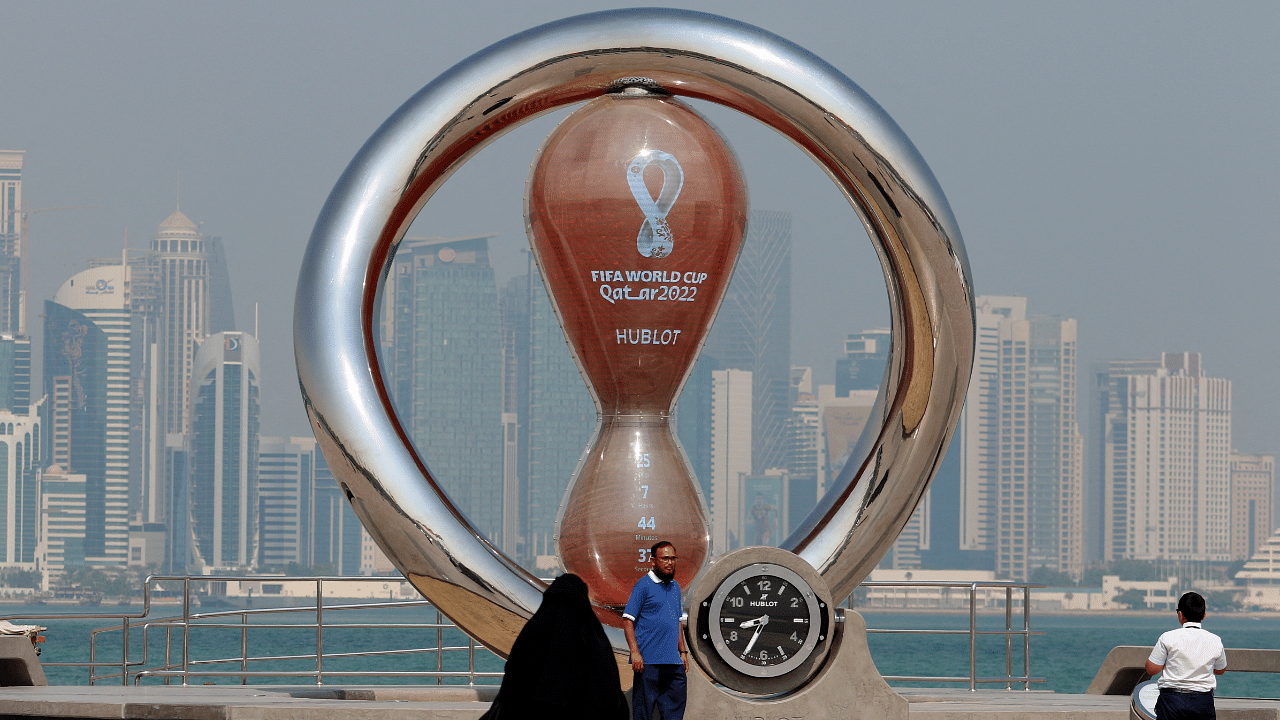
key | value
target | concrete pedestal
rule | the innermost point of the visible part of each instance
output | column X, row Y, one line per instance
column 848, row 686
column 18, row 662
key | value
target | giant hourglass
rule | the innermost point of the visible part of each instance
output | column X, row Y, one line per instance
column 636, row 210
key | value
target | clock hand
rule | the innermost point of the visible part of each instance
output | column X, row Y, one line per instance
column 756, row 636
column 752, row 623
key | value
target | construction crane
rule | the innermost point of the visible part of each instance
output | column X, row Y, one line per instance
column 20, row 254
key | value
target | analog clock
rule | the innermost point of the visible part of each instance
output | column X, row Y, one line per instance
column 765, row 620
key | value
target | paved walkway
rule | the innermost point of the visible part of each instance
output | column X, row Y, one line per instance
column 383, row 702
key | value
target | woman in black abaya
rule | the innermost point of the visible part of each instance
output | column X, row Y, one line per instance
column 561, row 665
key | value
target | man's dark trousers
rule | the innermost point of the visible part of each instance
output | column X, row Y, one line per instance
column 1185, row 706
column 661, row 684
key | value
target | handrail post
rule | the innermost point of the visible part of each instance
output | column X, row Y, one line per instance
column 244, row 648
column 168, row 651
column 973, row 637
column 439, row 648
column 471, row 660
column 124, row 652
column 319, row 632
column 186, row 627
column 1026, row 637
column 1008, row 639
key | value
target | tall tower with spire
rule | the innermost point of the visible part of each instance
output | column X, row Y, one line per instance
column 12, row 255
column 180, row 255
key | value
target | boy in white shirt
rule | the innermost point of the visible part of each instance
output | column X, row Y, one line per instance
column 1188, row 661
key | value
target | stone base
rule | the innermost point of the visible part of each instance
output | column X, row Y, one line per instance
column 18, row 662
column 848, row 686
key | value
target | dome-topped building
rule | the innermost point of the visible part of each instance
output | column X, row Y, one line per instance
column 178, row 234
column 184, row 312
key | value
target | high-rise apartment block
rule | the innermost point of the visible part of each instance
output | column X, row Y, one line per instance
column 223, row 476
column 752, row 332
column 442, row 335
column 1022, row 474
column 1253, row 487
column 979, row 431
column 1166, row 435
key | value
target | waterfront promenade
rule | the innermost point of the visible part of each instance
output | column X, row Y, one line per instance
column 256, row 702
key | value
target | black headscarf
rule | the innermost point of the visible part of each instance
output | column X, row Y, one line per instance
column 561, row 665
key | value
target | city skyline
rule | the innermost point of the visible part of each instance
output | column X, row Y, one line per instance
column 107, row 305
column 1058, row 204
column 1069, row 150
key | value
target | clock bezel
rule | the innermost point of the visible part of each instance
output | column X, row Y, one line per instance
column 751, row 680
column 817, row 629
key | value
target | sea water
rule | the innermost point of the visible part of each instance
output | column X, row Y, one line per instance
column 1067, row 655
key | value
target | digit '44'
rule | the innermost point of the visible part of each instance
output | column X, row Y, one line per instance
column 646, row 523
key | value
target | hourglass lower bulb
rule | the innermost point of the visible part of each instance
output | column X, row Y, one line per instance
column 635, row 209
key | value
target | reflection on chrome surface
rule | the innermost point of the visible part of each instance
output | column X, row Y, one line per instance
column 575, row 60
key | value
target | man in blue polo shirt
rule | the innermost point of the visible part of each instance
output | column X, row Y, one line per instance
column 658, row 655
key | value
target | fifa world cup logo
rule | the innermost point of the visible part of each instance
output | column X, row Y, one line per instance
column 655, row 238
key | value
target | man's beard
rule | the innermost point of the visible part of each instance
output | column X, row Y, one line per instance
column 663, row 576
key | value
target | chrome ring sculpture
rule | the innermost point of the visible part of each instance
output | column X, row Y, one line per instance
column 695, row 55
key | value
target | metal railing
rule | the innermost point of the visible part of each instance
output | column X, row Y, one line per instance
column 175, row 658
column 1009, row 632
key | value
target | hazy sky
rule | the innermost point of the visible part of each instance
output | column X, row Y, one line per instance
column 1115, row 162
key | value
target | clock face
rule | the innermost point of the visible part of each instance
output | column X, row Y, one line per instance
column 765, row 620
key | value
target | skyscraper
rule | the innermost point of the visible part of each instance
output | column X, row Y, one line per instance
column 179, row 253
column 753, row 332
column 979, row 431
column 222, row 312
column 148, row 490
column 554, row 413
column 805, row 466
column 731, row 448
column 1253, row 482
column 443, row 358
column 1166, row 449
column 181, row 554
column 286, row 483
column 20, row 479
column 15, row 373
column 224, row 450
column 1039, row 513
column 693, row 420
column 88, row 338
column 13, row 291
column 1022, row 481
